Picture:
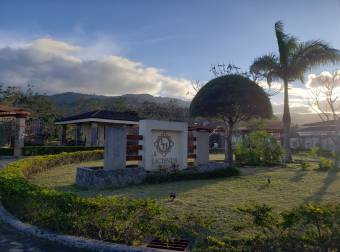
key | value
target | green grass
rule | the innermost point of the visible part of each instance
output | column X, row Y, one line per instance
column 218, row 198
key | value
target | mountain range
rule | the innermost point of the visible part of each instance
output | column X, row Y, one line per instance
column 71, row 103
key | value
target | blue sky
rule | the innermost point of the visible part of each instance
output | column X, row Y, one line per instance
column 178, row 39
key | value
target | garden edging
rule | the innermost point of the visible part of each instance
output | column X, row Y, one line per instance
column 67, row 240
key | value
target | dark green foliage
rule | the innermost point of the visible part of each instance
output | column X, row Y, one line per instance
column 231, row 96
column 6, row 152
column 49, row 150
column 178, row 176
column 259, row 148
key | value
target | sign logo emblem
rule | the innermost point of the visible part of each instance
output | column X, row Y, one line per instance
column 163, row 144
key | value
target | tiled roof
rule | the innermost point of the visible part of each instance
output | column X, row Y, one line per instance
column 12, row 111
column 104, row 114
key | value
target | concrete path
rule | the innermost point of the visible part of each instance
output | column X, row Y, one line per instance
column 13, row 241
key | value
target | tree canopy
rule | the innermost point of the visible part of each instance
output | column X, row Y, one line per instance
column 231, row 97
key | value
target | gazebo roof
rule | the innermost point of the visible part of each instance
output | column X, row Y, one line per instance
column 7, row 111
column 103, row 116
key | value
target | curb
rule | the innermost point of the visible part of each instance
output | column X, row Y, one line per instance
column 67, row 240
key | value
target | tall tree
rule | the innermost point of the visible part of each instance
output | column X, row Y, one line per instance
column 293, row 61
column 231, row 98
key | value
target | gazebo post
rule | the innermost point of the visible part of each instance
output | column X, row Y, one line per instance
column 62, row 134
column 19, row 136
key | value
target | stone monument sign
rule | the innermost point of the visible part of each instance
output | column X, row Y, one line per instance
column 164, row 145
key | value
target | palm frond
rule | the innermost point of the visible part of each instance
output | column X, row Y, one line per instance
column 310, row 54
column 281, row 38
column 286, row 43
column 267, row 66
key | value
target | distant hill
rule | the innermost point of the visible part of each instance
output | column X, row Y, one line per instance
column 70, row 103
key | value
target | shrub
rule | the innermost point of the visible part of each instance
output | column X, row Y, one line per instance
column 259, row 148
column 49, row 150
column 116, row 219
column 6, row 151
column 304, row 165
column 315, row 151
column 326, row 164
column 178, row 176
column 46, row 150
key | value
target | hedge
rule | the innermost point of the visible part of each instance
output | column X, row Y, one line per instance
column 47, row 150
column 6, row 151
column 116, row 219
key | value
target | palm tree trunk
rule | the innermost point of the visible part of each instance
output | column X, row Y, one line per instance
column 286, row 125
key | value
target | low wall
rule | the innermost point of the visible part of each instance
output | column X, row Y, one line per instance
column 98, row 178
column 94, row 177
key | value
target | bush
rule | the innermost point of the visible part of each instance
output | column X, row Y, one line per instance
column 46, row 150
column 259, row 148
column 315, row 151
column 49, row 150
column 116, row 219
column 178, row 176
column 6, row 152
column 326, row 164
column 304, row 165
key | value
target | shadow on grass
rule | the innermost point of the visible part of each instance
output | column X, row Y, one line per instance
column 147, row 190
column 264, row 186
column 298, row 176
column 328, row 181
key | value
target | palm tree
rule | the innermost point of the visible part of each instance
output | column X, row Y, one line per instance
column 294, row 60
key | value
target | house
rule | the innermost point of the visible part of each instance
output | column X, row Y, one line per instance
column 89, row 128
column 315, row 134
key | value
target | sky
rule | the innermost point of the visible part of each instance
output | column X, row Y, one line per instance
column 156, row 47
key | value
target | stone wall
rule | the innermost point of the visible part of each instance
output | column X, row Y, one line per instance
column 98, row 178
column 92, row 177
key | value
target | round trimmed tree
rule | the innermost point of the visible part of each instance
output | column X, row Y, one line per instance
column 231, row 99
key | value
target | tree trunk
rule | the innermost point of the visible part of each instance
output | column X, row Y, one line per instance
column 228, row 145
column 286, row 125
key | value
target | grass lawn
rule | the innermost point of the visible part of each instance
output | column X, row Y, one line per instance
column 218, row 198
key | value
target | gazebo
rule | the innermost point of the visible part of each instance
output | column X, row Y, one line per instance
column 90, row 126
column 20, row 115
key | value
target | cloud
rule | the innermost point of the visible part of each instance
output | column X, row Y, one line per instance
column 54, row 66
column 295, row 108
column 315, row 81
